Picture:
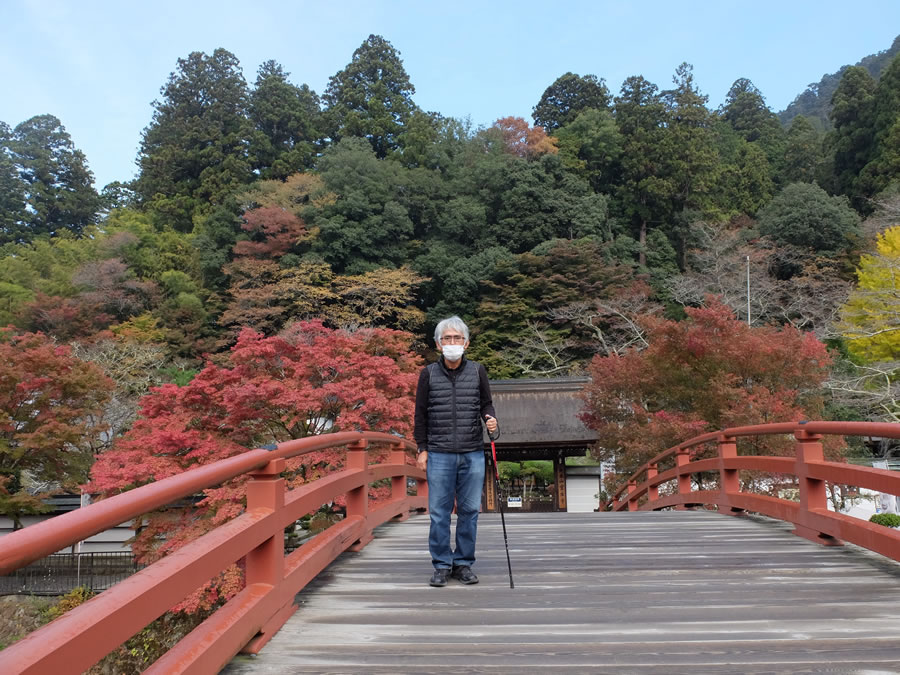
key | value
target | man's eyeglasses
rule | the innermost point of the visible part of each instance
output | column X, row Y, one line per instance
column 453, row 340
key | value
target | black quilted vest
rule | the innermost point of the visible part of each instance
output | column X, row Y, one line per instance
column 454, row 408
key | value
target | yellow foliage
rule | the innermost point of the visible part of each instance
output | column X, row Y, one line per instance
column 383, row 297
column 871, row 316
column 71, row 600
column 296, row 193
column 142, row 329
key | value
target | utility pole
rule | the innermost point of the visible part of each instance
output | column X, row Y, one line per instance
column 748, row 290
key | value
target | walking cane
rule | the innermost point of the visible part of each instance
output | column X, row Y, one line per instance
column 500, row 504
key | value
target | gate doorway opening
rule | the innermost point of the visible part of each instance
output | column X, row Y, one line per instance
column 539, row 428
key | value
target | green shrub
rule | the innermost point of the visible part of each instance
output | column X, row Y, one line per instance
column 71, row 600
column 886, row 519
column 140, row 651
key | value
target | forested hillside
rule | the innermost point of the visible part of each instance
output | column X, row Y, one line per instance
column 815, row 102
column 266, row 217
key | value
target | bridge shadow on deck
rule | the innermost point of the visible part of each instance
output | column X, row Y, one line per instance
column 667, row 592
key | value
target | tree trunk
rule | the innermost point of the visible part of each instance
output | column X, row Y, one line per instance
column 642, row 238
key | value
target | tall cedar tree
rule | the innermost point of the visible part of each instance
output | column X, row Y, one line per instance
column 50, row 420
column 307, row 381
column 851, row 141
column 12, row 192
column 371, row 97
column 708, row 372
column 194, row 153
column 645, row 191
column 691, row 154
column 286, row 120
column 884, row 165
column 746, row 111
column 803, row 156
column 58, row 186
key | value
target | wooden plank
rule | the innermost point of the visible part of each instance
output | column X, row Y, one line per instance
column 690, row 591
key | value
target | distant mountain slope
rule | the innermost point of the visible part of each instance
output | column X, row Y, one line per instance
column 815, row 102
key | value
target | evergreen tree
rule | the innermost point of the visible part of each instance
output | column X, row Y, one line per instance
column 851, row 141
column 194, row 153
column 12, row 191
column 58, row 185
column 746, row 111
column 568, row 96
column 371, row 97
column 883, row 167
column 591, row 147
column 745, row 177
column 286, row 121
column 690, row 145
column 886, row 103
column 645, row 191
column 368, row 226
column 420, row 142
column 805, row 215
column 542, row 201
column 802, row 153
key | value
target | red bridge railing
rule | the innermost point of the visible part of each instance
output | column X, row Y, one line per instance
column 652, row 489
column 84, row 635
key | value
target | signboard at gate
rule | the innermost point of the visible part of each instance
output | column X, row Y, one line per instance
column 514, row 502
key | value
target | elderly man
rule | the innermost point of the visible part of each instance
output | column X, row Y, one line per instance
column 452, row 399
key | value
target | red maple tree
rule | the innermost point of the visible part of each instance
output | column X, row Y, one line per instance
column 273, row 232
column 308, row 380
column 708, row 372
column 51, row 420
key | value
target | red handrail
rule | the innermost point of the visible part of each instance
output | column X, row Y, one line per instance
column 809, row 515
column 84, row 635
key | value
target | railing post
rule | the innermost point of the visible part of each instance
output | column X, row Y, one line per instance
column 652, row 490
column 265, row 563
column 358, row 498
column 729, row 480
column 398, row 483
column 683, row 458
column 813, row 497
column 632, row 504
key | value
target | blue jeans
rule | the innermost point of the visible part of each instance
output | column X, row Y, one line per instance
column 453, row 477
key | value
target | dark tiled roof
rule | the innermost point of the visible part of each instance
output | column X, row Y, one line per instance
column 541, row 412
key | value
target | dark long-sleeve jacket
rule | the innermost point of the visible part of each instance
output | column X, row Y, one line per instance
column 450, row 405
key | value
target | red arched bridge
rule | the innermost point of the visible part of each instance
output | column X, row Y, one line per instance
column 687, row 590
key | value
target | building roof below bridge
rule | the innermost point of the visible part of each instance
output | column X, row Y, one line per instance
column 541, row 413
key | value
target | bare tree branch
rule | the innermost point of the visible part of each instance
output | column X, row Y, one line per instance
column 873, row 388
column 539, row 353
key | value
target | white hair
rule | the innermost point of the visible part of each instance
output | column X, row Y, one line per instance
column 453, row 322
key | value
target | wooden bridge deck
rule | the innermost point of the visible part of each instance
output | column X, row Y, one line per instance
column 670, row 592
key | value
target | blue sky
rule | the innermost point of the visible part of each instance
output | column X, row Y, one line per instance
column 98, row 65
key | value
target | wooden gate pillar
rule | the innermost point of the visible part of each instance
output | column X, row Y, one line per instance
column 559, row 471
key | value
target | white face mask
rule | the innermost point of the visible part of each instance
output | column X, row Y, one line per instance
column 452, row 352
